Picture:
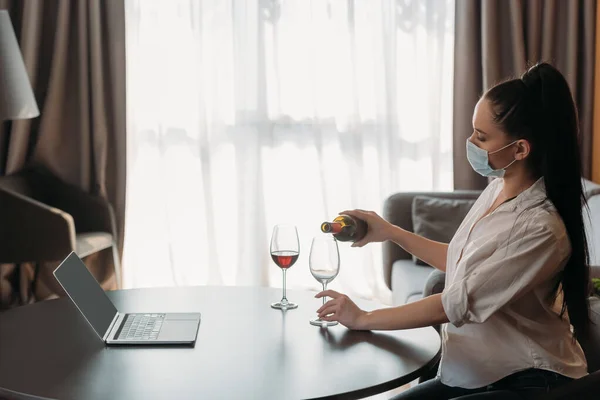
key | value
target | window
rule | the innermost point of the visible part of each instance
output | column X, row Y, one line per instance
column 244, row 114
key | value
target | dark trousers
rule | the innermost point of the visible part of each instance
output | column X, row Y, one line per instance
column 525, row 384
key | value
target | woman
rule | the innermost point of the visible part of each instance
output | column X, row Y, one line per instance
column 515, row 299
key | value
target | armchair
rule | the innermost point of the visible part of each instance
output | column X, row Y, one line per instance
column 43, row 219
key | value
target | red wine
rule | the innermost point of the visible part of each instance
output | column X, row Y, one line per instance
column 284, row 258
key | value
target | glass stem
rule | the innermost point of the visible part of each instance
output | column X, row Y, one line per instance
column 284, row 299
column 324, row 289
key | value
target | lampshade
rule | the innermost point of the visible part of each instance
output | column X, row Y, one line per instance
column 16, row 96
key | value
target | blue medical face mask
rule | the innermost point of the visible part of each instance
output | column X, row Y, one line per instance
column 479, row 160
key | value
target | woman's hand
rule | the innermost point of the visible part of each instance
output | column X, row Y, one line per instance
column 379, row 229
column 340, row 308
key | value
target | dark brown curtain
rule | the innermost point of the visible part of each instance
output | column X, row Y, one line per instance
column 74, row 51
column 499, row 39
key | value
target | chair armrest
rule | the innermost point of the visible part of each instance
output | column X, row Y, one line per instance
column 32, row 231
column 435, row 283
column 397, row 209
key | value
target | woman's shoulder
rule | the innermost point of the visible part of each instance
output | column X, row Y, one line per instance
column 536, row 212
column 542, row 218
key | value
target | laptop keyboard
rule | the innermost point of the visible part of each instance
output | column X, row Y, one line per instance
column 141, row 327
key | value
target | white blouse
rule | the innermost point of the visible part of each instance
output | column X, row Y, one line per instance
column 499, row 272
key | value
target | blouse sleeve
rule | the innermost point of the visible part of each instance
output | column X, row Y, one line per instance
column 534, row 255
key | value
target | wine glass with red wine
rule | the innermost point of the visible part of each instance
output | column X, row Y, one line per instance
column 324, row 262
column 285, row 249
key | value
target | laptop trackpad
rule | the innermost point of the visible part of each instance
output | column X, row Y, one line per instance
column 178, row 331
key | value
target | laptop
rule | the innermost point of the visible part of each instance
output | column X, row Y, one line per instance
column 114, row 327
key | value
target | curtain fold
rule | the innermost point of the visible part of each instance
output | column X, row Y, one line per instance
column 499, row 39
column 74, row 52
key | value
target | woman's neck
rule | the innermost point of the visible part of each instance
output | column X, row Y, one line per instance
column 515, row 185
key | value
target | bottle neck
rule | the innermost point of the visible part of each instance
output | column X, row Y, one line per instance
column 331, row 227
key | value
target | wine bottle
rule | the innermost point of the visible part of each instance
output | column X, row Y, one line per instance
column 346, row 228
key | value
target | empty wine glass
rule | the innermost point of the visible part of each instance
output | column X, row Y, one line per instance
column 324, row 262
column 285, row 249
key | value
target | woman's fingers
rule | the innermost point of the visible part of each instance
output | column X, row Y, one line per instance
column 328, row 304
column 328, row 310
column 329, row 293
column 361, row 242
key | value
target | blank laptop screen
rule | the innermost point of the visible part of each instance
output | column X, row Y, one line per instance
column 86, row 293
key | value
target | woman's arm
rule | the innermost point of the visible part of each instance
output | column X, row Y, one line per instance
column 425, row 312
column 432, row 252
column 379, row 230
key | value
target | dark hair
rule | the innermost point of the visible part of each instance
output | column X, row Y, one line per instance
column 539, row 108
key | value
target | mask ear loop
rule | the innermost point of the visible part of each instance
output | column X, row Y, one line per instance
column 508, row 145
column 511, row 163
column 500, row 149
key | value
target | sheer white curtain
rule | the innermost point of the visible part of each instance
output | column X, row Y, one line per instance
column 247, row 113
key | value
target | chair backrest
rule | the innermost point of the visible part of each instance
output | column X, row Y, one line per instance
column 29, row 182
column 591, row 221
column 18, row 184
column 591, row 344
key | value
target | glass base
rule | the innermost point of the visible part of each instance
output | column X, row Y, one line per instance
column 321, row 323
column 284, row 306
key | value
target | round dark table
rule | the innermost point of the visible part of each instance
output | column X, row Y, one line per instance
column 245, row 350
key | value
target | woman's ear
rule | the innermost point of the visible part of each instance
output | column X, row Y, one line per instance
column 523, row 149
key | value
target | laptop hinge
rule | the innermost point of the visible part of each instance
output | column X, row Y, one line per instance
column 110, row 327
